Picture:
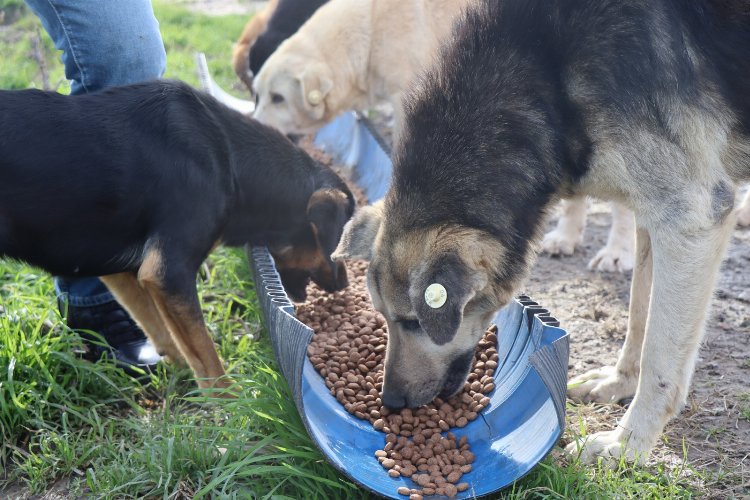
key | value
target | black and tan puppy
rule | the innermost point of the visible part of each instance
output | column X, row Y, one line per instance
column 137, row 184
column 643, row 103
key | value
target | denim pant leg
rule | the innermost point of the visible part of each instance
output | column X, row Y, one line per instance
column 103, row 43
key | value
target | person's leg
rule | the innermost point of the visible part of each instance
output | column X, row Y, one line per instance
column 104, row 43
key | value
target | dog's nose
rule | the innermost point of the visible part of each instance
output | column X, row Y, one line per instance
column 394, row 400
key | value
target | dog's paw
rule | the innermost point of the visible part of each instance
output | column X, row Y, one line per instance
column 612, row 258
column 560, row 242
column 602, row 385
column 610, row 446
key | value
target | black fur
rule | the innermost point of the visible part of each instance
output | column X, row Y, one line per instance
column 283, row 23
column 441, row 324
column 88, row 184
column 492, row 135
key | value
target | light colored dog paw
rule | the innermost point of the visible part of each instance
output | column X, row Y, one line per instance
column 612, row 258
column 610, row 446
column 560, row 242
column 602, row 385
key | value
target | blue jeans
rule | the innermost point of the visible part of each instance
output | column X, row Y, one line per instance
column 103, row 43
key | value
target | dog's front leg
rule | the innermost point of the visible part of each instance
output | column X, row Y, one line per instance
column 568, row 233
column 612, row 384
column 138, row 303
column 173, row 291
column 686, row 263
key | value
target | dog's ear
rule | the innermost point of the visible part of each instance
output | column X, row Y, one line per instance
column 359, row 233
column 328, row 210
column 316, row 85
column 439, row 293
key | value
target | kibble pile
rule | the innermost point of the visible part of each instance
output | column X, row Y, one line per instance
column 348, row 349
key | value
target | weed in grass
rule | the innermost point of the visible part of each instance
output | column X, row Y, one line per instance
column 714, row 432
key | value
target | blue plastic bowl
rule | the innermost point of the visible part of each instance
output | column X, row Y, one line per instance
column 524, row 419
column 526, row 414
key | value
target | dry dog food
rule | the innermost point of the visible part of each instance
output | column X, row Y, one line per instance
column 348, row 349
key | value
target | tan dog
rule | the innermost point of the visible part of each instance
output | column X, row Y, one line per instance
column 351, row 54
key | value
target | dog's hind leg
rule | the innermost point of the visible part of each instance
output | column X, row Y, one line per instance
column 138, row 303
column 686, row 262
column 743, row 212
column 568, row 233
column 617, row 254
column 611, row 384
column 172, row 289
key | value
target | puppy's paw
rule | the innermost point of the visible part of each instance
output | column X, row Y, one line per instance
column 613, row 258
column 602, row 385
column 743, row 214
column 611, row 446
column 561, row 242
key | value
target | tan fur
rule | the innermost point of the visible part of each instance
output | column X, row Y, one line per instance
column 254, row 27
column 354, row 54
column 137, row 302
column 168, row 320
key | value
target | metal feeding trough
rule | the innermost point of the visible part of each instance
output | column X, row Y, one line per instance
column 526, row 413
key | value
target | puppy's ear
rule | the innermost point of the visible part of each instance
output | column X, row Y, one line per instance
column 440, row 292
column 359, row 233
column 316, row 85
column 328, row 210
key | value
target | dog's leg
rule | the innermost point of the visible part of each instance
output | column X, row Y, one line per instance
column 685, row 266
column 137, row 302
column 173, row 291
column 743, row 212
column 612, row 384
column 617, row 254
column 568, row 233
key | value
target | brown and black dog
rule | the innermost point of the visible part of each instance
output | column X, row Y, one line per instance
column 137, row 184
column 642, row 103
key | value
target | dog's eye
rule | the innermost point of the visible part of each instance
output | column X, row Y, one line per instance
column 410, row 325
column 277, row 98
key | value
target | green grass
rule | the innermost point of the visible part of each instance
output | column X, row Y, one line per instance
column 65, row 419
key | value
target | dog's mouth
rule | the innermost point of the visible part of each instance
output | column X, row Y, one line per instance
column 295, row 283
column 457, row 373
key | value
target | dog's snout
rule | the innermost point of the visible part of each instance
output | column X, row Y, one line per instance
column 394, row 399
column 331, row 277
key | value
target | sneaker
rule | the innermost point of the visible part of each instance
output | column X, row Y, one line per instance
column 127, row 344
